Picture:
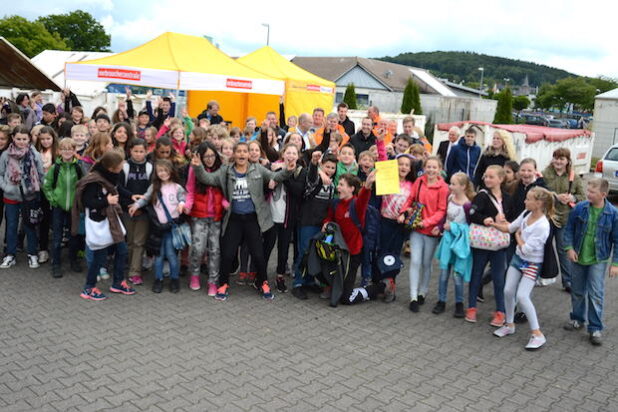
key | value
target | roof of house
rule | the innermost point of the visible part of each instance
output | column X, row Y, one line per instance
column 467, row 90
column 612, row 94
column 393, row 76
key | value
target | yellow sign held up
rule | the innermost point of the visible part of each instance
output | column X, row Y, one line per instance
column 387, row 177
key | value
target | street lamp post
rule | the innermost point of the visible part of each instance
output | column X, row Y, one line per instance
column 482, row 69
column 267, row 32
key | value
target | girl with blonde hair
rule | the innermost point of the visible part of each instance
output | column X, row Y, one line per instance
column 498, row 153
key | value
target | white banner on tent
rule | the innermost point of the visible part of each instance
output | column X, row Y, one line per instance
column 166, row 79
column 217, row 82
column 169, row 79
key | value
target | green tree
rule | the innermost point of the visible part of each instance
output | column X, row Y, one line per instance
column 31, row 38
column 504, row 110
column 79, row 29
column 546, row 98
column 520, row 102
column 575, row 90
column 349, row 97
column 411, row 98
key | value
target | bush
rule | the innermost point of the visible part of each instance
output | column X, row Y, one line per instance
column 349, row 97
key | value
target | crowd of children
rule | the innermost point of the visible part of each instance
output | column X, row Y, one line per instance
column 139, row 191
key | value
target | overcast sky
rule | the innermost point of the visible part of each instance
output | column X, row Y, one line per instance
column 572, row 35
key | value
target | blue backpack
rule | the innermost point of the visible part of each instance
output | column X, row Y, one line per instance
column 371, row 230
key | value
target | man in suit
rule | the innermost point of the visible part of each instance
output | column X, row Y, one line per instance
column 444, row 150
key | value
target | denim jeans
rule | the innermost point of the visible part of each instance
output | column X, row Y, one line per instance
column 497, row 262
column 12, row 222
column 587, row 288
column 97, row 258
column 167, row 252
column 60, row 220
column 422, row 248
column 445, row 274
column 565, row 263
column 305, row 233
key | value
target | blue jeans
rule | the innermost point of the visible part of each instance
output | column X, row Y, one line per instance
column 60, row 220
column 445, row 274
column 97, row 258
column 422, row 249
column 305, row 233
column 565, row 263
column 168, row 252
column 588, row 287
column 12, row 222
column 497, row 262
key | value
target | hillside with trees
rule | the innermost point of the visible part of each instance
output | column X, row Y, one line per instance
column 458, row 66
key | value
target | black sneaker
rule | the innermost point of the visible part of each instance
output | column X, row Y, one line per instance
column 421, row 299
column 56, row 272
column 281, row 284
column 459, row 310
column 157, row 286
column 439, row 308
column 174, row 285
column 76, row 266
column 520, row 317
column 299, row 292
column 414, row 306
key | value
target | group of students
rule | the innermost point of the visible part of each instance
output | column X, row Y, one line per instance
column 190, row 192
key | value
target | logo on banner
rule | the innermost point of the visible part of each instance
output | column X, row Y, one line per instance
column 119, row 74
column 239, row 84
column 317, row 88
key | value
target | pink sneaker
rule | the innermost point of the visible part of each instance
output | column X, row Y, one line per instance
column 194, row 284
column 212, row 289
column 136, row 280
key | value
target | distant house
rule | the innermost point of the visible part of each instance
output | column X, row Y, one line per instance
column 377, row 83
column 380, row 83
column 464, row 91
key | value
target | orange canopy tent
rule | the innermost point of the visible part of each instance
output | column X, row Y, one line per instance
column 304, row 91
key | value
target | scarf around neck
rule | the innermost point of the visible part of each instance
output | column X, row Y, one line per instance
column 22, row 169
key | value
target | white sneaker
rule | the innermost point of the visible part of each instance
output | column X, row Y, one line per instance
column 43, row 256
column 536, row 342
column 7, row 262
column 33, row 261
column 103, row 273
column 504, row 331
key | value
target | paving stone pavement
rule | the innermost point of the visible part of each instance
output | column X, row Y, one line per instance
column 188, row 352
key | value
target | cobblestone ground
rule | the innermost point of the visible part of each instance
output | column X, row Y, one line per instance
column 189, row 352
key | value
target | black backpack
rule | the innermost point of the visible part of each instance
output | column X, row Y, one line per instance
column 550, row 268
column 78, row 170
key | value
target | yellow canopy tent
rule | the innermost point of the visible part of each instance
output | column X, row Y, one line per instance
column 303, row 90
column 176, row 61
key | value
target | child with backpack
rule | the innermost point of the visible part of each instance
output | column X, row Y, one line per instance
column 319, row 192
column 532, row 229
column 21, row 178
column 168, row 200
column 350, row 213
column 134, row 182
column 59, row 188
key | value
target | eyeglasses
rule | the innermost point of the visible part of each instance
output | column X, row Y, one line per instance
column 211, row 156
column 66, row 150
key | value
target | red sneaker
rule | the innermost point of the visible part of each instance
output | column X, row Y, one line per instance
column 471, row 315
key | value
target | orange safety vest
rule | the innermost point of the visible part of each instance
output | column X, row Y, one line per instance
column 319, row 135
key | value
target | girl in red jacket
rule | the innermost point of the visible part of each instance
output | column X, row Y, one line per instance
column 205, row 205
column 431, row 191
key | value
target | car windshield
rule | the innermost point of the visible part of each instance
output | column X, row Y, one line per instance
column 612, row 155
